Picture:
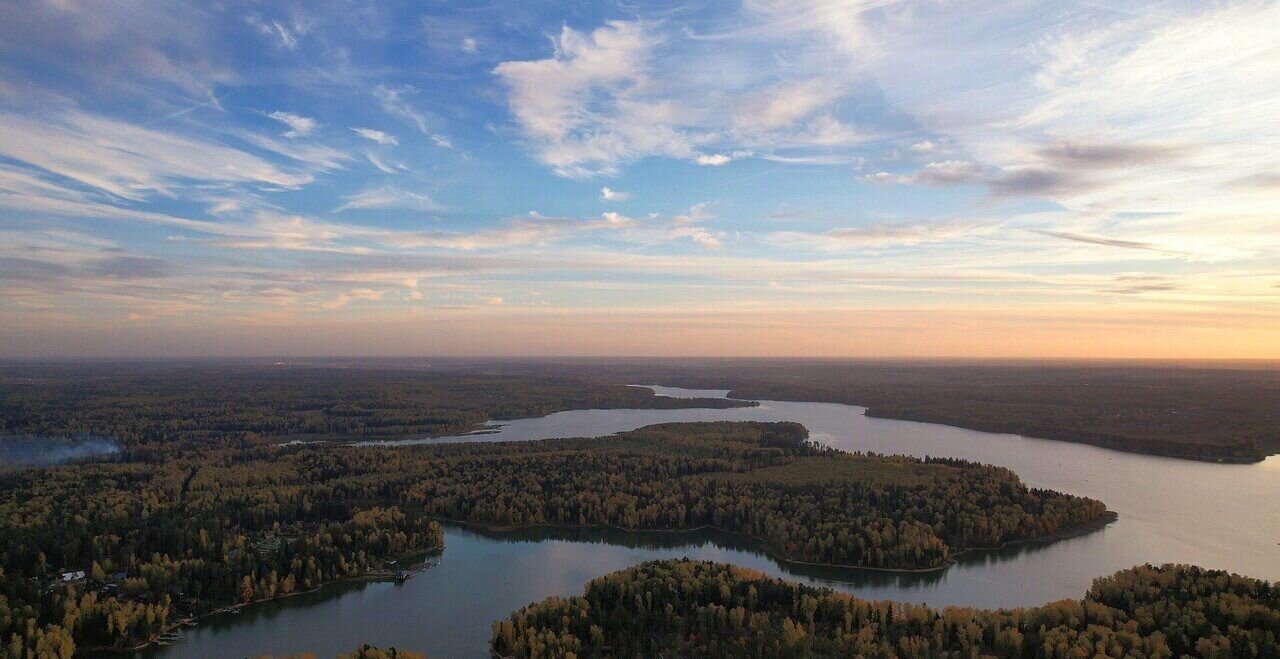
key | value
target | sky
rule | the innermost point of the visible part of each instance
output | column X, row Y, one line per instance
column 837, row 178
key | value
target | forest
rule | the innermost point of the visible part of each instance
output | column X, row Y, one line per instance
column 1224, row 411
column 138, row 404
column 682, row 608
column 1215, row 412
column 188, row 527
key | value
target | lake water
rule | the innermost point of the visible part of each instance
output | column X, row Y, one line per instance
column 1215, row 515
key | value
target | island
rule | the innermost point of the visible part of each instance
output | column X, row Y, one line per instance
column 683, row 608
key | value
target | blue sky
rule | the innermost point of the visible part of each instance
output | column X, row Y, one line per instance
column 811, row 177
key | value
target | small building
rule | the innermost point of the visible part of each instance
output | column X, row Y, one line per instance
column 76, row 575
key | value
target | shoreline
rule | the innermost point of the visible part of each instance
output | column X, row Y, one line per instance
column 1109, row 442
column 372, row 576
column 1210, row 453
column 1078, row 530
column 760, row 546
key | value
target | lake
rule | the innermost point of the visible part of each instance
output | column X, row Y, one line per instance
column 1215, row 515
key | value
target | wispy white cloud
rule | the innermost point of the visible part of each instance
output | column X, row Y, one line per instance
column 700, row 236
column 130, row 161
column 387, row 196
column 942, row 173
column 878, row 236
column 395, row 100
column 784, row 105
column 611, row 96
column 696, row 213
column 285, row 34
column 376, row 136
column 318, row 156
column 379, row 164
column 299, row 126
column 609, row 194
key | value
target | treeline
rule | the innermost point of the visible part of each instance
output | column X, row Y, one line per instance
column 138, row 406
column 682, row 608
column 201, row 527
column 1201, row 412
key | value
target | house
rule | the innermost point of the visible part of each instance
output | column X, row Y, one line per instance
column 77, row 575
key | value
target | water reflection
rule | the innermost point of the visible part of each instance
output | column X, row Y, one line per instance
column 1170, row 510
column 484, row 575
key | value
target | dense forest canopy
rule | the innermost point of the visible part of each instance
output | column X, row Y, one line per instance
column 681, row 608
column 194, row 526
column 139, row 404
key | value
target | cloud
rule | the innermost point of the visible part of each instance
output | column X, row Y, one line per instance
column 840, row 23
column 695, row 213
column 395, row 101
column 877, row 236
column 468, row 45
column 700, row 236
column 935, row 174
column 883, row 235
column 299, row 125
column 24, row 269
column 387, row 196
column 377, row 136
column 1138, row 284
column 1099, row 240
column 712, row 159
column 148, row 40
column 1263, row 181
column 284, row 231
column 630, row 90
column 320, row 157
column 515, row 233
column 354, row 295
column 583, row 111
column 130, row 161
column 285, row 34
column 1035, row 181
column 611, row 219
column 784, row 105
column 1102, row 154
column 609, row 194
column 130, row 267
column 377, row 162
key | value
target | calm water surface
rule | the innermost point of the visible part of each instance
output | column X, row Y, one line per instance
column 1222, row 516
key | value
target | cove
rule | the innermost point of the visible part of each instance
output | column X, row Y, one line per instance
column 1170, row 510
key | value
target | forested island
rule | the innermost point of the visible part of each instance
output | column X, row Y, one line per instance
column 189, row 527
column 682, row 608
